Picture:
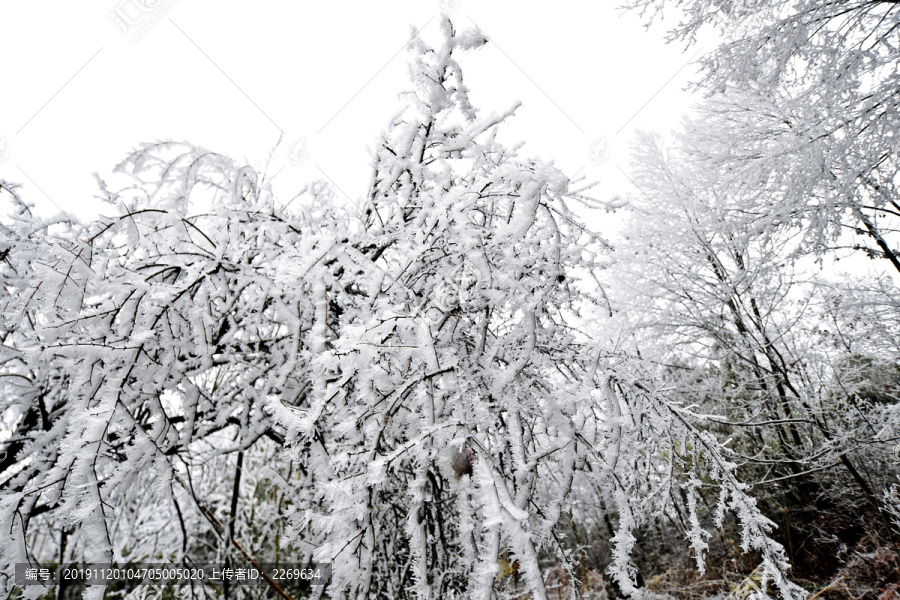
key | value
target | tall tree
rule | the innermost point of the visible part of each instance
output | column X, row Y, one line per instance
column 738, row 330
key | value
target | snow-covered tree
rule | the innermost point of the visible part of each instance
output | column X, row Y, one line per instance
column 803, row 112
column 741, row 332
column 425, row 361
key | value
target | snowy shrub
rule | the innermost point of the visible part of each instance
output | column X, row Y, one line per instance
column 424, row 361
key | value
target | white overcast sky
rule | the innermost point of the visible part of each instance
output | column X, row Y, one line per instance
column 79, row 92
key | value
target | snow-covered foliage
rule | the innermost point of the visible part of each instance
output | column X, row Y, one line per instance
column 794, row 152
column 804, row 360
column 423, row 364
column 802, row 113
column 797, row 372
